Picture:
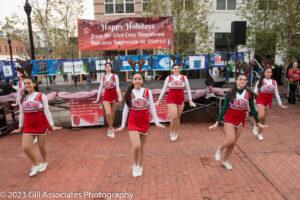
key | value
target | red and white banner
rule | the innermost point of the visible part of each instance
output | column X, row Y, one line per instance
column 161, row 110
column 125, row 33
column 85, row 113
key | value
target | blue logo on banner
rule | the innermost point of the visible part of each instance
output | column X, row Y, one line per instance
column 162, row 63
column 42, row 67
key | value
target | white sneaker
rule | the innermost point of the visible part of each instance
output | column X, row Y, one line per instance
column 112, row 133
column 108, row 133
column 227, row 165
column 255, row 130
column 173, row 137
column 260, row 137
column 135, row 170
column 218, row 154
column 35, row 140
column 34, row 170
column 43, row 166
column 140, row 171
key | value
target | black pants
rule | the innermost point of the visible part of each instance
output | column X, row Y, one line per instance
column 292, row 95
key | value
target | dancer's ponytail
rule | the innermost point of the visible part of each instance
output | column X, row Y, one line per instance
column 127, row 96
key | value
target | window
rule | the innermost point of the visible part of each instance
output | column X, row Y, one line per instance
column 119, row 6
column 231, row 4
column 129, row 6
column 221, row 4
column 146, row 6
column 226, row 4
column 109, row 6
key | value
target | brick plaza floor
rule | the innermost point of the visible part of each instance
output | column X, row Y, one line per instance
column 86, row 160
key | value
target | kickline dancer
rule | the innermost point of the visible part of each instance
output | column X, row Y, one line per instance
column 138, row 105
column 20, row 89
column 176, row 83
column 234, row 111
column 111, row 96
column 265, row 88
column 35, row 120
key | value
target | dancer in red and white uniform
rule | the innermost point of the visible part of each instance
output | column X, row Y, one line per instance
column 20, row 92
column 236, row 105
column 20, row 89
column 111, row 96
column 266, row 87
column 35, row 120
column 138, row 105
column 176, row 83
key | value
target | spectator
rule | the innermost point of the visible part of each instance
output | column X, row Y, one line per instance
column 293, row 79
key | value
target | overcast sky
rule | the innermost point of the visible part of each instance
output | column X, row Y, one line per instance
column 11, row 6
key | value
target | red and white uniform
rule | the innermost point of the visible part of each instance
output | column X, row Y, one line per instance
column 112, row 93
column 238, row 109
column 176, row 85
column 139, row 112
column 266, row 92
column 35, row 117
column 294, row 74
column 20, row 91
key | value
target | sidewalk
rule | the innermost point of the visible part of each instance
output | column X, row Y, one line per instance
column 86, row 160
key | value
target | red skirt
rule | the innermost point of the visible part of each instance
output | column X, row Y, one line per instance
column 110, row 95
column 175, row 96
column 35, row 123
column 265, row 99
column 235, row 117
column 139, row 120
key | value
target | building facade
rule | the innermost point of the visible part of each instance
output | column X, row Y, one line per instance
column 18, row 49
column 224, row 12
column 114, row 9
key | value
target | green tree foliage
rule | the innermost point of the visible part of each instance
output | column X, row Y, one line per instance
column 56, row 23
column 272, row 24
column 189, row 22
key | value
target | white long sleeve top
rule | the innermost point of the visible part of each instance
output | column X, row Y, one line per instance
column 139, row 94
column 20, row 91
column 176, row 83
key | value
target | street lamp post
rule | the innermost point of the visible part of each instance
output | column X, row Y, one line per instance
column 28, row 9
column 10, row 52
column 7, row 34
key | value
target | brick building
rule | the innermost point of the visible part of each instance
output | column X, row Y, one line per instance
column 114, row 9
column 18, row 49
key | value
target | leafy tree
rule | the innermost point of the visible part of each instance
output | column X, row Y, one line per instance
column 189, row 21
column 272, row 24
column 57, row 22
